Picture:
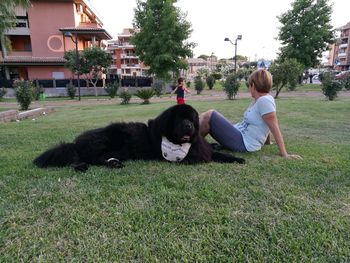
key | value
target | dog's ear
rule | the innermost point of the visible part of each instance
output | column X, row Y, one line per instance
column 161, row 123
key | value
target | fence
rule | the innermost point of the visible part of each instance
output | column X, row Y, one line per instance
column 62, row 83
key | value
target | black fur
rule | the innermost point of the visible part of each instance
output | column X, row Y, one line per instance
column 117, row 142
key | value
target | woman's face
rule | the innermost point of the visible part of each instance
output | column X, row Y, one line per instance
column 252, row 89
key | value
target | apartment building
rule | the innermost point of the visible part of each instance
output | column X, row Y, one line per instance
column 43, row 33
column 339, row 56
column 125, row 61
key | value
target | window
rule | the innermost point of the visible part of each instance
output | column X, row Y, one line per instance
column 58, row 75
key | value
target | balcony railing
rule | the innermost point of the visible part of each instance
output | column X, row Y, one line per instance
column 343, row 45
column 128, row 56
column 21, row 28
column 20, row 54
column 130, row 65
column 343, row 54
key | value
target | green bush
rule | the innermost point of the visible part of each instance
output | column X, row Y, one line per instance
column 158, row 86
column 330, row 86
column 198, row 84
column 125, row 96
column 3, row 92
column 216, row 75
column 244, row 73
column 188, row 84
column 346, row 81
column 210, row 81
column 112, row 88
column 24, row 92
column 145, row 95
column 71, row 90
column 231, row 86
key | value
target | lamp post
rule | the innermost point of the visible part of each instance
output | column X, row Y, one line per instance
column 77, row 64
column 239, row 37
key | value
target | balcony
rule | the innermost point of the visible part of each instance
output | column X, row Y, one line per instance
column 21, row 29
column 343, row 45
column 342, row 55
column 20, row 54
column 130, row 66
column 129, row 56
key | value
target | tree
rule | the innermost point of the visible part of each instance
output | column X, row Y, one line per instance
column 203, row 72
column 284, row 73
column 241, row 58
column 231, row 86
column 210, row 81
column 205, row 57
column 198, row 84
column 93, row 62
column 160, row 34
column 8, row 14
column 306, row 31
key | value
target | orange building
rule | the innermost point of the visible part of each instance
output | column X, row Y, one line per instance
column 125, row 61
column 39, row 40
column 339, row 56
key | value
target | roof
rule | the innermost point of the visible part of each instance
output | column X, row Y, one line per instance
column 100, row 33
column 18, row 60
column 347, row 26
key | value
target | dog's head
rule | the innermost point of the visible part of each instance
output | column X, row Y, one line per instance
column 179, row 123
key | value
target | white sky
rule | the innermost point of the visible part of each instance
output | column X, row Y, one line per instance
column 212, row 21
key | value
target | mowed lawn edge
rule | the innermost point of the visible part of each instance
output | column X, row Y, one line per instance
column 269, row 209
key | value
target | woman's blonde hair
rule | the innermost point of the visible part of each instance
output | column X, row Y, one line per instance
column 262, row 80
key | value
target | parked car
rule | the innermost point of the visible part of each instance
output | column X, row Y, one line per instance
column 342, row 74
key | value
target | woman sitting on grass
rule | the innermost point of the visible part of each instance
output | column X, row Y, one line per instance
column 259, row 120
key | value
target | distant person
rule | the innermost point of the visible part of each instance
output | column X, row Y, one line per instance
column 311, row 76
column 180, row 91
column 259, row 120
column 306, row 76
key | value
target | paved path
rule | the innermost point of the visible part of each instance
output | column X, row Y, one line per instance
column 205, row 96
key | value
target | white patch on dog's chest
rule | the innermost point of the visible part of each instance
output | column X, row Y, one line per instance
column 174, row 152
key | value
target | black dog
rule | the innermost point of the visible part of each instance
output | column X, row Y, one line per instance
column 173, row 135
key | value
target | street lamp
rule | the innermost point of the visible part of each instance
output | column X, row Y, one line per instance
column 239, row 37
column 77, row 64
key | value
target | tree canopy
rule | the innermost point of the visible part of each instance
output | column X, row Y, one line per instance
column 285, row 72
column 8, row 14
column 306, row 31
column 92, row 61
column 160, row 37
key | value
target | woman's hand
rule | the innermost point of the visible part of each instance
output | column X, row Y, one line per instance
column 293, row 157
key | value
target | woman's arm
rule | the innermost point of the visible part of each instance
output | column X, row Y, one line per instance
column 272, row 122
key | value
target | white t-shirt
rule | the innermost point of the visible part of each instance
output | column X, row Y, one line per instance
column 253, row 128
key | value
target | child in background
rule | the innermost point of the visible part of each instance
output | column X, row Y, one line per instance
column 180, row 91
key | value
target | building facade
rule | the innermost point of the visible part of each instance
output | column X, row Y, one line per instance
column 35, row 48
column 339, row 56
column 125, row 61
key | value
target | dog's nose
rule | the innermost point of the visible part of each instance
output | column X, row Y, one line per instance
column 188, row 126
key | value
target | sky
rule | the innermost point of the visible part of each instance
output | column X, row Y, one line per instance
column 213, row 21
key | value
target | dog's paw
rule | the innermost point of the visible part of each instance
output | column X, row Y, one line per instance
column 80, row 167
column 114, row 163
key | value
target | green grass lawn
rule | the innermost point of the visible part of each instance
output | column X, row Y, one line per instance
column 268, row 210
